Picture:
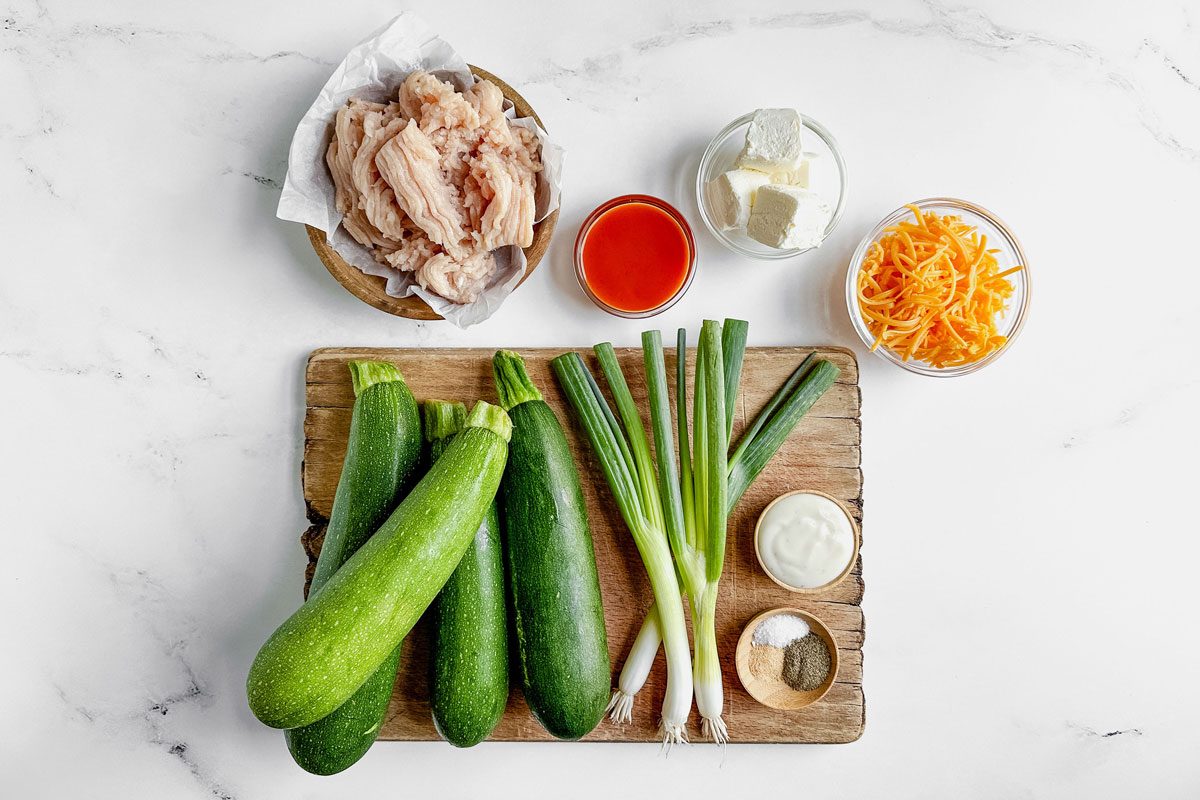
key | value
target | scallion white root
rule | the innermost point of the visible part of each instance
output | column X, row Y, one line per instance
column 678, row 699
column 710, row 693
column 636, row 669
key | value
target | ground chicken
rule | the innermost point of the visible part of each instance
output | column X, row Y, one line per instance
column 436, row 181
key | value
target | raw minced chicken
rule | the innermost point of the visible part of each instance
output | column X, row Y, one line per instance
column 499, row 188
column 412, row 168
column 348, row 137
column 436, row 181
column 451, row 278
column 376, row 197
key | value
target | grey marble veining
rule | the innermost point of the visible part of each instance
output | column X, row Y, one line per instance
column 1029, row 632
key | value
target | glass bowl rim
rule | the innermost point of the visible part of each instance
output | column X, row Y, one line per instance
column 1021, row 279
column 710, row 152
column 625, row 199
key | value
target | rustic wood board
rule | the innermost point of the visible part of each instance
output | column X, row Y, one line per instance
column 822, row 453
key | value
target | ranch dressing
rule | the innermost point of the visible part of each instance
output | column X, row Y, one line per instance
column 805, row 540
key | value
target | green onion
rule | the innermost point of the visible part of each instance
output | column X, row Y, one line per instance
column 624, row 456
column 733, row 347
column 704, row 499
column 691, row 499
column 700, row 552
column 775, row 422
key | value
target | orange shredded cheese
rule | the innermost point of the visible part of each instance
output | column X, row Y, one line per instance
column 931, row 290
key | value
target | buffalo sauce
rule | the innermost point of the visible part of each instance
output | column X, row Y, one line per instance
column 635, row 255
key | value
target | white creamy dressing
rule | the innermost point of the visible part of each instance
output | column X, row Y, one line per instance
column 805, row 540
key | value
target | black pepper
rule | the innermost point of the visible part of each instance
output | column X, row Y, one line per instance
column 806, row 663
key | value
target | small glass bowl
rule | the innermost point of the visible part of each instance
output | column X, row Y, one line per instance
column 1010, row 254
column 601, row 210
column 827, row 177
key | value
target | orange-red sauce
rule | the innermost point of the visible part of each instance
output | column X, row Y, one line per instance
column 635, row 257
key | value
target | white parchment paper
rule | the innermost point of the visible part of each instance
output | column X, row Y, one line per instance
column 374, row 70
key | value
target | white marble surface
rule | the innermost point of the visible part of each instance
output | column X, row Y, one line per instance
column 1030, row 545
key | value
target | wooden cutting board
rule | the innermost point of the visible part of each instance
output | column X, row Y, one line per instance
column 822, row 453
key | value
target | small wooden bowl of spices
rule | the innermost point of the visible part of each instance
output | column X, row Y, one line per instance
column 787, row 658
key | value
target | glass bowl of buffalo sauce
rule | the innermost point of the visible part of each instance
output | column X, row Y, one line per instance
column 635, row 256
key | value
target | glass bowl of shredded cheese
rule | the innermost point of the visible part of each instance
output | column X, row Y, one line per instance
column 939, row 287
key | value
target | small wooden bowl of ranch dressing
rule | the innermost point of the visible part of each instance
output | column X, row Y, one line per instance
column 806, row 541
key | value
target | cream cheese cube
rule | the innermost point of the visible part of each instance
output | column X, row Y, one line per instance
column 773, row 142
column 731, row 196
column 795, row 176
column 787, row 217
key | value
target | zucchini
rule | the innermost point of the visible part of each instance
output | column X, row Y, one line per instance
column 562, row 646
column 339, row 739
column 332, row 644
column 469, row 683
column 382, row 456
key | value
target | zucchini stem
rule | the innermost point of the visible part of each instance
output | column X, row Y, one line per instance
column 365, row 374
column 512, row 381
column 493, row 418
column 443, row 419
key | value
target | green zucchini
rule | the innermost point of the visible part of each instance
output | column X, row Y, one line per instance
column 562, row 646
column 382, row 457
column 339, row 739
column 332, row 644
column 469, row 683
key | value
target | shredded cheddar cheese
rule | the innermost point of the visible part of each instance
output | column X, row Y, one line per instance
column 931, row 290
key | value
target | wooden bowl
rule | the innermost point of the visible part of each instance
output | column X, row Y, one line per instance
column 370, row 288
column 810, row 590
column 777, row 694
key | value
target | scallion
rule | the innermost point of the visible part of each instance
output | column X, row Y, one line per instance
column 704, row 522
column 624, row 456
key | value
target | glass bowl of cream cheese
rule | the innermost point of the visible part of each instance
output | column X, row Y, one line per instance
column 806, row 541
column 720, row 182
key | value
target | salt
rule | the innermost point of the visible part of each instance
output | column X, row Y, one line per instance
column 780, row 630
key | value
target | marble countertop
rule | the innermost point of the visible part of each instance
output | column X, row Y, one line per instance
column 1028, row 546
